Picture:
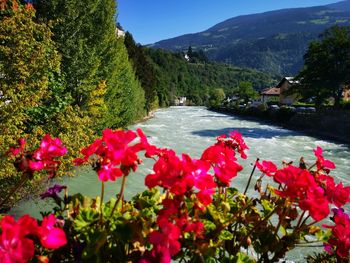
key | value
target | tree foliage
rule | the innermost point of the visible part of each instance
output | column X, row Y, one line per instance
column 327, row 66
column 245, row 91
column 28, row 60
column 144, row 70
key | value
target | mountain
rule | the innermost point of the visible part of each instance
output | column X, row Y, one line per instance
column 273, row 42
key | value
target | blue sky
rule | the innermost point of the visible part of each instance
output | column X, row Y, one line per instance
column 153, row 20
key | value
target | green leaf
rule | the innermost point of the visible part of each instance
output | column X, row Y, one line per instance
column 267, row 206
column 85, row 218
column 225, row 235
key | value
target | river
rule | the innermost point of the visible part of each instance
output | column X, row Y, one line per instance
column 190, row 130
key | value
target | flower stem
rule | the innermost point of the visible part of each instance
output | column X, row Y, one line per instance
column 101, row 201
column 250, row 177
column 301, row 217
column 120, row 196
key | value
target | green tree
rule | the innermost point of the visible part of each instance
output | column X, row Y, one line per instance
column 144, row 71
column 216, row 97
column 33, row 100
column 327, row 66
column 246, row 92
column 83, row 32
column 28, row 60
column 124, row 98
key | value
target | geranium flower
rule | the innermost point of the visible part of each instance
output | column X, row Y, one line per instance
column 316, row 203
column 340, row 240
column 266, row 167
column 41, row 159
column 51, row 237
column 115, row 157
column 16, row 151
column 15, row 246
column 321, row 162
column 166, row 238
column 241, row 146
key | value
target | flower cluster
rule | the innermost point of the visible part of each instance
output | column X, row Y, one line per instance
column 189, row 179
column 42, row 158
column 115, row 157
column 340, row 240
column 17, row 238
column 198, row 216
column 313, row 191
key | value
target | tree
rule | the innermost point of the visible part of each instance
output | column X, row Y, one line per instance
column 216, row 97
column 33, row 100
column 144, row 70
column 246, row 91
column 327, row 66
column 28, row 59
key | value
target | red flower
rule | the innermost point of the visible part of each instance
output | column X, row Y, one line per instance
column 51, row 237
column 267, row 167
column 166, row 238
column 115, row 157
column 316, row 203
column 41, row 159
column 222, row 157
column 15, row 246
column 340, row 240
column 337, row 194
column 321, row 162
column 240, row 144
column 296, row 182
column 16, row 151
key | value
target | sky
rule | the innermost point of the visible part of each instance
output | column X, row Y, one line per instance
column 150, row 21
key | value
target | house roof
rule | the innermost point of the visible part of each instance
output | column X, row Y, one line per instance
column 290, row 80
column 272, row 91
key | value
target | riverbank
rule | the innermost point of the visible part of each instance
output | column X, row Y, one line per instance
column 326, row 124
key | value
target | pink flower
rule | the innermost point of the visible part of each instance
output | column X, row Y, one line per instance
column 15, row 246
column 340, row 239
column 337, row 194
column 316, row 203
column 16, row 151
column 41, row 159
column 321, row 162
column 267, row 167
column 49, row 149
column 51, row 237
column 115, row 156
column 240, row 144
column 166, row 238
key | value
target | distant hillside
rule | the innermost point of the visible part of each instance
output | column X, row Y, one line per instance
column 178, row 77
column 273, row 42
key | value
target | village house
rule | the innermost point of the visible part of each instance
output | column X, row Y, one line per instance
column 284, row 85
column 180, row 101
column 271, row 94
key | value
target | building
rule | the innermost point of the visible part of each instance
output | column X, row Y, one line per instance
column 180, row 101
column 119, row 32
column 271, row 94
column 285, row 84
